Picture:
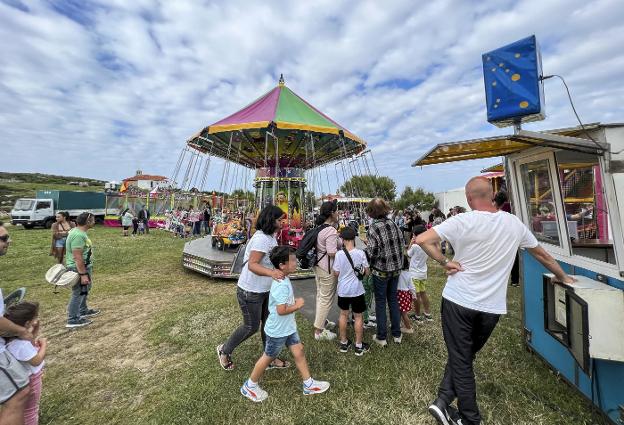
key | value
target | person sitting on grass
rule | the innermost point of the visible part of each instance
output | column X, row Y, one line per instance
column 281, row 330
column 418, row 274
column 351, row 290
column 30, row 355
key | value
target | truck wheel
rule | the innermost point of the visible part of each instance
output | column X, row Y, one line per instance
column 213, row 241
column 47, row 224
column 220, row 245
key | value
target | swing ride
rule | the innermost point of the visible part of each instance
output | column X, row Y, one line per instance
column 279, row 145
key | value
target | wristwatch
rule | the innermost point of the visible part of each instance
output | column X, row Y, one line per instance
column 444, row 262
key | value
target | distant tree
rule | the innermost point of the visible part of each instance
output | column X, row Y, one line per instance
column 243, row 194
column 417, row 198
column 368, row 186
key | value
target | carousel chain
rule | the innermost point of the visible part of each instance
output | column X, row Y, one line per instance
column 188, row 170
column 225, row 163
column 176, row 170
column 207, row 168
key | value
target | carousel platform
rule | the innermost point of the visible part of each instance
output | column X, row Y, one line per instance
column 200, row 256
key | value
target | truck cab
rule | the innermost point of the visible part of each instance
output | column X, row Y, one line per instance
column 33, row 212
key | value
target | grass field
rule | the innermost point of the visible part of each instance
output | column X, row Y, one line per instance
column 149, row 357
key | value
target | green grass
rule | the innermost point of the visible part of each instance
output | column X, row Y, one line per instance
column 149, row 357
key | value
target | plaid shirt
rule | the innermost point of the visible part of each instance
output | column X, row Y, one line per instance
column 385, row 246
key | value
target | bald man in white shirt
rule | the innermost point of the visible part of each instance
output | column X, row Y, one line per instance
column 485, row 241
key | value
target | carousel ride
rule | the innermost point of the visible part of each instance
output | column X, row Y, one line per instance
column 285, row 150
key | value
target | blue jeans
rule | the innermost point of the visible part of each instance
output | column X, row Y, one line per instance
column 78, row 301
column 275, row 345
column 386, row 291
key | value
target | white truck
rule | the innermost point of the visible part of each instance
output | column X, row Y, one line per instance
column 42, row 210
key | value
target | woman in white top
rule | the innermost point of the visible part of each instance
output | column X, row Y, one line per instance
column 254, row 285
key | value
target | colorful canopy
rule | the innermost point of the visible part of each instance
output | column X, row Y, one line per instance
column 305, row 136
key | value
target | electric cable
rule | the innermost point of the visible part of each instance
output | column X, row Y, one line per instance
column 546, row 77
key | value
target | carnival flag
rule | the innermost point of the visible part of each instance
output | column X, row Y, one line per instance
column 123, row 187
column 154, row 192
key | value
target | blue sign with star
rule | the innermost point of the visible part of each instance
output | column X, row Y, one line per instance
column 514, row 91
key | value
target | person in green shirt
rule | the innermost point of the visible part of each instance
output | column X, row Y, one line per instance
column 79, row 258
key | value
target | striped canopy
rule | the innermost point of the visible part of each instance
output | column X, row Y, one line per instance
column 304, row 136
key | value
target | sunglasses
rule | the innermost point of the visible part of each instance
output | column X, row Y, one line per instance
column 5, row 238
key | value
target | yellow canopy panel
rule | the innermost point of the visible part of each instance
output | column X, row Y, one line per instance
column 504, row 145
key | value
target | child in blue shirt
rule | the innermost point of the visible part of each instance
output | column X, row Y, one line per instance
column 281, row 330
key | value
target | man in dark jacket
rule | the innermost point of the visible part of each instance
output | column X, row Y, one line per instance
column 144, row 216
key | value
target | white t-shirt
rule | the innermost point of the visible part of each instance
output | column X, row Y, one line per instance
column 248, row 280
column 405, row 282
column 418, row 262
column 348, row 283
column 24, row 351
column 485, row 245
column 1, row 314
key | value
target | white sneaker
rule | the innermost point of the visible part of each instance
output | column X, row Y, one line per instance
column 329, row 324
column 398, row 339
column 372, row 317
column 324, row 335
column 316, row 387
column 407, row 330
column 255, row 394
column 381, row 342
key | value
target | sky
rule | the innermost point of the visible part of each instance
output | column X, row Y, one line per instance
column 101, row 89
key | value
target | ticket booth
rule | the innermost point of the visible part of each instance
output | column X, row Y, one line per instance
column 569, row 190
column 567, row 186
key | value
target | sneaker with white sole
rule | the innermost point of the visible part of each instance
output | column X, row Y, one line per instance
column 344, row 346
column 439, row 410
column 398, row 339
column 253, row 393
column 372, row 317
column 359, row 351
column 407, row 330
column 428, row 317
column 316, row 387
column 381, row 342
column 90, row 313
column 325, row 335
column 78, row 323
column 370, row 325
column 329, row 324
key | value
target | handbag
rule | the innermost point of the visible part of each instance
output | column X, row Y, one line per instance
column 359, row 273
column 59, row 275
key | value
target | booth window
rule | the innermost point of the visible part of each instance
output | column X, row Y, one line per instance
column 540, row 202
column 585, row 205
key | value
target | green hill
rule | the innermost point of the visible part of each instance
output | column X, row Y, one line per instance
column 25, row 185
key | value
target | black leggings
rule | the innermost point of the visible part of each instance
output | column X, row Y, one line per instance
column 255, row 309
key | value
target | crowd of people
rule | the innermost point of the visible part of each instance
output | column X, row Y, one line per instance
column 381, row 280
column 392, row 264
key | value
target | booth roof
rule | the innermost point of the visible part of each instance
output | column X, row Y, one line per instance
column 564, row 138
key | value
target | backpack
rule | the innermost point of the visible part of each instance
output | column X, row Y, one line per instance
column 306, row 253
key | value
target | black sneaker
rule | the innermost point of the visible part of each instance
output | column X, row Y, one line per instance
column 344, row 346
column 90, row 313
column 453, row 415
column 438, row 409
column 78, row 323
column 359, row 351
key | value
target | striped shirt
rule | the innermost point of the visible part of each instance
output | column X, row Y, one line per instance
column 385, row 246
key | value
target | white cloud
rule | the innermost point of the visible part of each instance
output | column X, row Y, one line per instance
column 112, row 86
